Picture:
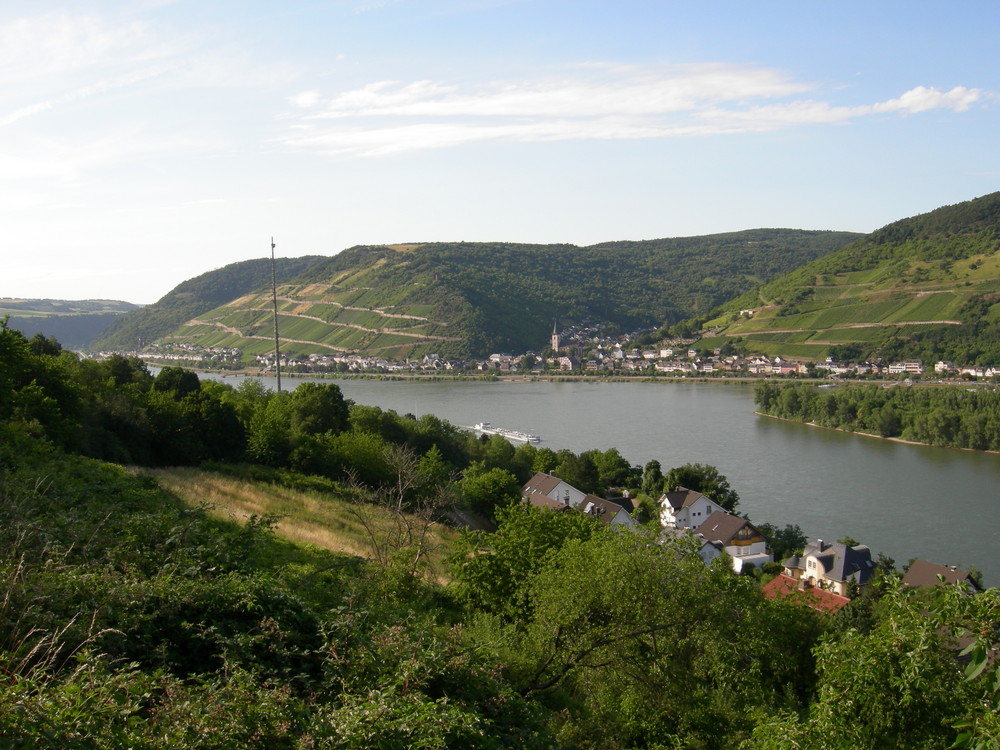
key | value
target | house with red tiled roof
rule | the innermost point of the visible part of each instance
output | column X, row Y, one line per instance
column 785, row 588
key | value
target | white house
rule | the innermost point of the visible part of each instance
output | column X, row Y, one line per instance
column 607, row 511
column 547, row 491
column 552, row 487
column 832, row 566
column 707, row 550
column 740, row 538
column 685, row 509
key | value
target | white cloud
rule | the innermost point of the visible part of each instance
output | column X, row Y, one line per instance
column 604, row 90
column 305, row 99
column 57, row 42
column 596, row 102
column 922, row 99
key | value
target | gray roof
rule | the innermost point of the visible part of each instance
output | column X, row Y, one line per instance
column 681, row 498
column 842, row 563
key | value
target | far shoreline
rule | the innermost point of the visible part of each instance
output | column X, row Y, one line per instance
column 876, row 437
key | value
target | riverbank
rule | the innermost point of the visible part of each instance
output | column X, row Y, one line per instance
column 873, row 435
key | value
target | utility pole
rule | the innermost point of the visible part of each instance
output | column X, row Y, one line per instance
column 274, row 299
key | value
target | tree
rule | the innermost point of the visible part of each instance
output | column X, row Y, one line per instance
column 652, row 479
column 896, row 686
column 613, row 470
column 785, row 541
column 177, row 381
column 492, row 571
column 705, row 479
column 397, row 520
column 317, row 408
column 580, row 471
column 487, row 490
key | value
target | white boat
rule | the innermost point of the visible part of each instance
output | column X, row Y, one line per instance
column 487, row 429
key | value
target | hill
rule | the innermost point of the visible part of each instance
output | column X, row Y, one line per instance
column 470, row 299
column 75, row 323
column 195, row 296
column 924, row 287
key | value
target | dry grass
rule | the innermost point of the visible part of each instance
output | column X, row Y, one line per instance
column 309, row 518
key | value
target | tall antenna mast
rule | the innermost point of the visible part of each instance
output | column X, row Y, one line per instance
column 274, row 300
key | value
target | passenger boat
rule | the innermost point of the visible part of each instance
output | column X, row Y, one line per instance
column 487, row 429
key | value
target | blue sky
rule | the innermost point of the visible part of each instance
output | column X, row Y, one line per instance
column 143, row 142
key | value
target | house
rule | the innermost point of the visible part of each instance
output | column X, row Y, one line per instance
column 832, row 566
column 607, row 511
column 741, row 539
column 547, row 491
column 925, row 575
column 552, row 487
column 785, row 588
column 707, row 550
column 685, row 509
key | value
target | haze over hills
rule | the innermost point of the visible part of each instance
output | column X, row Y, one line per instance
column 925, row 287
column 74, row 323
column 471, row 299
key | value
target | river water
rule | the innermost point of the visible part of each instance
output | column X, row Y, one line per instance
column 906, row 501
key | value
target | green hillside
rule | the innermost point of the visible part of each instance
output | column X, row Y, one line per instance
column 470, row 299
column 193, row 297
column 75, row 323
column 924, row 287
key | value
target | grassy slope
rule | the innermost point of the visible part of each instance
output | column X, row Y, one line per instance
column 911, row 276
column 313, row 518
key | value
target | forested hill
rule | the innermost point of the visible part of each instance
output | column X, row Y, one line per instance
column 74, row 323
column 470, row 299
column 195, row 296
column 924, row 287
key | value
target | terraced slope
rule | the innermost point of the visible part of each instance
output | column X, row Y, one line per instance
column 471, row 299
column 194, row 297
column 923, row 287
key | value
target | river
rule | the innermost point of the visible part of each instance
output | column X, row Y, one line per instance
column 902, row 500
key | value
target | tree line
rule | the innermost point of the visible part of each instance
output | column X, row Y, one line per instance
column 947, row 416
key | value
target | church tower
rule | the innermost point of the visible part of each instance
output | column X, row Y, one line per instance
column 555, row 337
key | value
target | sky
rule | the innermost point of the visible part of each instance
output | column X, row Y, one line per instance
column 144, row 142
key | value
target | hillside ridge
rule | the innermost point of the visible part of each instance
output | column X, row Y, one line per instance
column 924, row 287
column 464, row 299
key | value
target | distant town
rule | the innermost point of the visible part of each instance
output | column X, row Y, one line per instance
column 578, row 350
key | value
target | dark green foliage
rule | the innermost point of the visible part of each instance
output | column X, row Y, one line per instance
column 704, row 479
column 177, row 381
column 783, row 542
column 948, row 416
column 486, row 491
column 493, row 571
